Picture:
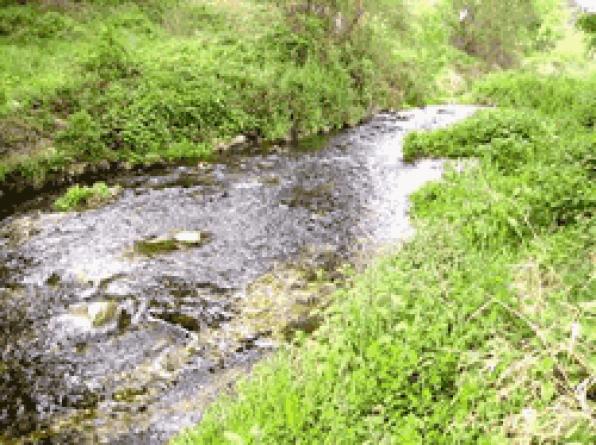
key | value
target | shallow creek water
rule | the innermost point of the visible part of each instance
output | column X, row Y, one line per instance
column 108, row 336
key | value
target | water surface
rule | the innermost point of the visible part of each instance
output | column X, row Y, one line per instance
column 106, row 341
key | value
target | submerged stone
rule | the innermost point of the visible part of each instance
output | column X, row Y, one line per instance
column 166, row 244
column 85, row 317
column 102, row 312
column 155, row 246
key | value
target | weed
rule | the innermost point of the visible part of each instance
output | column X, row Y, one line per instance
column 479, row 330
column 77, row 197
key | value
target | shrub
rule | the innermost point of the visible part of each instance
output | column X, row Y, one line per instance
column 587, row 23
column 111, row 59
column 508, row 210
column 77, row 197
column 82, row 136
column 26, row 22
column 570, row 99
column 508, row 138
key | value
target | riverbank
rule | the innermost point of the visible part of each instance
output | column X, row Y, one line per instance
column 88, row 88
column 481, row 329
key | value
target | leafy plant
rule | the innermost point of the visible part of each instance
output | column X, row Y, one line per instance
column 507, row 137
column 111, row 59
column 28, row 22
column 572, row 100
column 80, row 197
column 587, row 23
column 464, row 335
column 83, row 135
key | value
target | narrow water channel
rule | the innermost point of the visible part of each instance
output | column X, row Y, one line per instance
column 120, row 324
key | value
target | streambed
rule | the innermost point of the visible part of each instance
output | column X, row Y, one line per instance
column 120, row 324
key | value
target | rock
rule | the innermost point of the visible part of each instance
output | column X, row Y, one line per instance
column 102, row 312
column 85, row 317
column 124, row 165
column 171, row 243
column 307, row 324
column 188, row 237
column 77, row 169
column 238, row 140
column 103, row 165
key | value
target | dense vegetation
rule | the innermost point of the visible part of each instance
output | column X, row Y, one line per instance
column 99, row 82
column 481, row 329
column 81, row 197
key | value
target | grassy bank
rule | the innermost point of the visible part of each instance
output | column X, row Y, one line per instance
column 135, row 82
column 143, row 82
column 481, row 330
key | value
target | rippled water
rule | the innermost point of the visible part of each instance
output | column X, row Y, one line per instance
column 103, row 342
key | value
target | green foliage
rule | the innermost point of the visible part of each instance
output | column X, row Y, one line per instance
column 82, row 134
column 535, row 170
column 142, row 92
column 587, row 23
column 28, row 22
column 77, row 197
column 572, row 100
column 111, row 59
column 500, row 31
column 507, row 137
column 463, row 337
column 508, row 210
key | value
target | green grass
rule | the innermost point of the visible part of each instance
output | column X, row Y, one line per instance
column 80, row 197
column 481, row 329
column 145, row 82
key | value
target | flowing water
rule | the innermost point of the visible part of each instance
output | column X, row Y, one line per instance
column 120, row 324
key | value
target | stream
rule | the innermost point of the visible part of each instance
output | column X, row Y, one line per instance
column 120, row 324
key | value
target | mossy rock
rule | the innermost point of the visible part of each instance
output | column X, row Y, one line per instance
column 166, row 244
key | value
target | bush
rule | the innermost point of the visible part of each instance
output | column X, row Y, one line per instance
column 82, row 137
column 111, row 60
column 27, row 22
column 77, row 197
column 572, row 100
column 508, row 210
column 508, row 138
column 587, row 23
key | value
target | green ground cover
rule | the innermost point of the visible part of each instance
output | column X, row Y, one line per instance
column 148, row 81
column 87, row 82
column 481, row 330
column 83, row 197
